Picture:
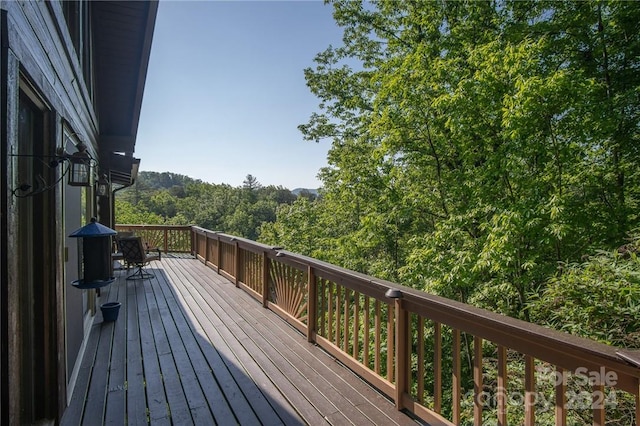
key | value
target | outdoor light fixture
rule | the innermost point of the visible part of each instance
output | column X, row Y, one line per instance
column 80, row 171
column 81, row 167
column 103, row 187
column 393, row 293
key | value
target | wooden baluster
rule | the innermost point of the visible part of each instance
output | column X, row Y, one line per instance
column 378, row 337
column 367, row 331
column 561, row 396
column 529, row 391
column 477, row 381
column 390, row 341
column 356, row 324
column 166, row 240
column 456, row 379
column 402, row 352
column 323, row 304
column 345, row 318
column 218, row 253
column 638, row 405
column 598, row 401
column 265, row 279
column 420, row 373
column 312, row 305
column 330, row 300
column 206, row 249
column 437, row 367
column 502, row 386
column 236, row 263
column 338, row 315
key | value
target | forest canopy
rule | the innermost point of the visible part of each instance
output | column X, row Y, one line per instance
column 479, row 149
column 173, row 199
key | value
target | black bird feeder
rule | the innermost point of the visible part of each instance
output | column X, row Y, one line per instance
column 94, row 242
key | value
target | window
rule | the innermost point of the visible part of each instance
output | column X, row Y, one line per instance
column 78, row 17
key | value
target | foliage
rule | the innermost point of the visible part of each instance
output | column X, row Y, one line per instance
column 128, row 214
column 174, row 199
column 474, row 144
column 598, row 298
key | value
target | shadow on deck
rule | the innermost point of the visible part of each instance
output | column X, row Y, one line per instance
column 190, row 348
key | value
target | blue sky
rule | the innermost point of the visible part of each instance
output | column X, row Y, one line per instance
column 225, row 91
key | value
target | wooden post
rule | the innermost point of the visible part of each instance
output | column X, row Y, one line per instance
column 236, row 263
column 529, row 391
column 638, row 405
column 561, row 397
column 265, row 279
column 457, row 376
column 421, row 372
column 402, row 353
column 312, row 305
column 194, row 251
column 477, row 381
column 218, row 254
column 391, row 340
column 206, row 248
column 437, row 367
column 502, row 386
column 166, row 240
column 597, row 393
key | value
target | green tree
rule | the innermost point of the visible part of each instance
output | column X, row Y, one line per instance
column 128, row 214
column 477, row 144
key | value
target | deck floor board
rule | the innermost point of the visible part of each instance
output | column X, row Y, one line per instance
column 191, row 348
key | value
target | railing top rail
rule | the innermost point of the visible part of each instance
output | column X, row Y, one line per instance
column 125, row 225
column 244, row 242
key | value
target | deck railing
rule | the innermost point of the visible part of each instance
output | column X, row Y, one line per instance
column 441, row 360
column 175, row 239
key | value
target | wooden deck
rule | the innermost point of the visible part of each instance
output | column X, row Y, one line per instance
column 190, row 348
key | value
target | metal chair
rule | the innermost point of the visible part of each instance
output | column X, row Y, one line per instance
column 117, row 256
column 134, row 253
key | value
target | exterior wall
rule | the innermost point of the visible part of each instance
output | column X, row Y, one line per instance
column 38, row 58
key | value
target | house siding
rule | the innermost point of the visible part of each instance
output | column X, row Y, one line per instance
column 38, row 58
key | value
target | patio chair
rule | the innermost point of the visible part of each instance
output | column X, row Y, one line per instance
column 134, row 253
column 117, row 256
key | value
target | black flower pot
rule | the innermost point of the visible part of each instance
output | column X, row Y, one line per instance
column 110, row 311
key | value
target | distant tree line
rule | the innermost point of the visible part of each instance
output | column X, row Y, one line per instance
column 169, row 198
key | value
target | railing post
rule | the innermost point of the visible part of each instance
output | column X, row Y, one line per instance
column 236, row 262
column 502, row 386
column 265, row 279
column 219, row 254
column 166, row 240
column 456, row 378
column 437, row 367
column 312, row 305
column 402, row 353
column 194, row 239
column 529, row 391
column 477, row 381
column 638, row 405
column 561, row 399
column 401, row 347
column 206, row 248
